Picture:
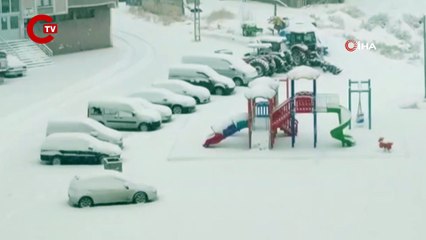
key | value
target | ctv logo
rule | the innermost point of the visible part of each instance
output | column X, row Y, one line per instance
column 352, row 45
column 48, row 28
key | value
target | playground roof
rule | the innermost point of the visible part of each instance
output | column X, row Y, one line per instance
column 260, row 91
column 303, row 73
column 265, row 81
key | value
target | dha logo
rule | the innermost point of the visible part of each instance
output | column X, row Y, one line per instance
column 352, row 45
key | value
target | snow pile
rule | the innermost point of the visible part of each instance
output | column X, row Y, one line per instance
column 265, row 81
column 260, row 90
column 303, row 73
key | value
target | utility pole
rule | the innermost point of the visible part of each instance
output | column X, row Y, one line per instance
column 424, row 49
column 197, row 20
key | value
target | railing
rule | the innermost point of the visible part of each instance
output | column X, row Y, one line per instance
column 10, row 49
column 46, row 49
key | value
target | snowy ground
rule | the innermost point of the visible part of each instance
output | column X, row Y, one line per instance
column 226, row 192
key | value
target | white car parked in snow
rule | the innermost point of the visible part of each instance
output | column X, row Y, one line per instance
column 124, row 113
column 165, row 112
column 200, row 94
column 177, row 103
column 106, row 188
column 16, row 67
column 227, row 65
column 85, row 125
column 76, row 148
column 204, row 76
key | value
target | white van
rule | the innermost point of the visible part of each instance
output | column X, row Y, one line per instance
column 123, row 113
column 85, row 125
column 231, row 66
column 204, row 76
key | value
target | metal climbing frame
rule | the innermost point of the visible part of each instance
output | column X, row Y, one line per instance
column 360, row 89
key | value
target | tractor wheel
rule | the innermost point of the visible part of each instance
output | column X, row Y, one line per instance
column 299, row 57
column 279, row 63
column 260, row 65
column 272, row 66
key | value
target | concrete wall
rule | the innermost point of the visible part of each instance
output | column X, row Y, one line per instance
column 81, row 34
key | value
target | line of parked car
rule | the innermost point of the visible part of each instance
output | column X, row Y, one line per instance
column 91, row 140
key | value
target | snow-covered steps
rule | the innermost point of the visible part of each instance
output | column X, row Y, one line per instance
column 32, row 54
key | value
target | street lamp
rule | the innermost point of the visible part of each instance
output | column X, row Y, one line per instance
column 424, row 49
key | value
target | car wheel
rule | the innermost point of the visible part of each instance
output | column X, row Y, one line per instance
column 143, row 127
column 140, row 197
column 177, row 109
column 85, row 202
column 197, row 100
column 56, row 161
column 219, row 91
column 238, row 82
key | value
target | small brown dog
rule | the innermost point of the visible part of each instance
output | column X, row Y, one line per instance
column 387, row 146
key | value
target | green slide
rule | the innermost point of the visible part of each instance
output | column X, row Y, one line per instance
column 344, row 120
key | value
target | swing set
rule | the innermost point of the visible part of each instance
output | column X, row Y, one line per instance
column 362, row 87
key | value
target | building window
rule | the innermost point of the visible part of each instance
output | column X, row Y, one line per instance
column 14, row 22
column 44, row 3
column 65, row 17
column 82, row 13
column 5, row 6
column 4, row 23
column 15, row 5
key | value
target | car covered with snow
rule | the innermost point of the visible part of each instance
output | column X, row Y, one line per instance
column 204, row 76
column 16, row 67
column 3, row 63
column 85, row 125
column 177, row 103
column 107, row 188
column 124, row 113
column 165, row 112
column 76, row 148
column 200, row 94
column 227, row 65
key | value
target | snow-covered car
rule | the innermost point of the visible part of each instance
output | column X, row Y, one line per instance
column 124, row 113
column 107, row 188
column 3, row 63
column 165, row 112
column 177, row 103
column 200, row 94
column 15, row 66
column 76, row 148
column 204, row 76
column 85, row 125
column 227, row 65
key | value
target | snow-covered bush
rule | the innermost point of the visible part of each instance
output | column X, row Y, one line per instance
column 411, row 20
column 221, row 14
column 353, row 11
column 390, row 51
column 337, row 21
column 378, row 20
column 399, row 33
column 164, row 13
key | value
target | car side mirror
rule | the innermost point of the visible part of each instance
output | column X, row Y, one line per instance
column 90, row 148
column 164, row 99
column 133, row 114
column 126, row 187
column 94, row 134
column 232, row 68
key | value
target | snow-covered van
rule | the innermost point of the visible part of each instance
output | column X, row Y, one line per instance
column 204, row 76
column 165, row 112
column 85, row 125
column 77, row 148
column 231, row 66
column 122, row 113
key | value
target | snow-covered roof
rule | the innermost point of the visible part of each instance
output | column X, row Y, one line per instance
column 276, row 39
column 259, row 45
column 265, row 81
column 303, row 73
column 300, row 27
column 262, row 91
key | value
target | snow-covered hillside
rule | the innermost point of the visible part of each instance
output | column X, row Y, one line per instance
column 226, row 192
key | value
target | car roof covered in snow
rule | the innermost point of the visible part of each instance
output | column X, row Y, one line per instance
column 303, row 73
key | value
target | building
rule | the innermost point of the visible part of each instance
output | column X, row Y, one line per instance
column 82, row 24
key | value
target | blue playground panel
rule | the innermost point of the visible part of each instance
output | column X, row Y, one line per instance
column 262, row 109
column 242, row 124
column 231, row 129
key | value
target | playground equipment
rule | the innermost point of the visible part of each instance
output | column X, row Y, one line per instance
column 362, row 87
column 283, row 116
column 250, row 29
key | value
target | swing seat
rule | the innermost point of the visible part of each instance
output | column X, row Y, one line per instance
column 360, row 118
